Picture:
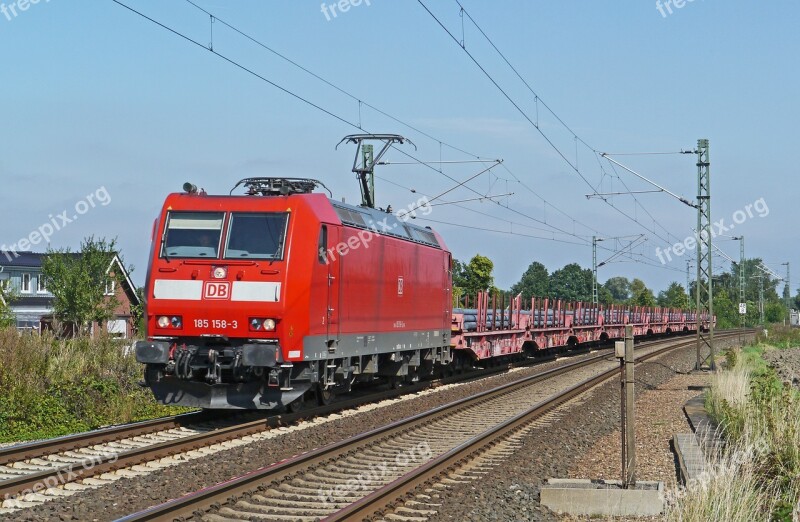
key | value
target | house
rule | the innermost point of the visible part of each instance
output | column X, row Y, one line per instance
column 33, row 307
column 23, row 274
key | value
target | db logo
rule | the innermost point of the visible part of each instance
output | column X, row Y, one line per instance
column 215, row 290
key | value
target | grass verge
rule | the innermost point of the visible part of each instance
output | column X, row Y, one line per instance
column 756, row 476
column 51, row 387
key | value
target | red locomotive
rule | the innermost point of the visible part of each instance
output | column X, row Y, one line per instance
column 255, row 301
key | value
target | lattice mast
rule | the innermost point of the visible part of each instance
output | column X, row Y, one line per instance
column 704, row 287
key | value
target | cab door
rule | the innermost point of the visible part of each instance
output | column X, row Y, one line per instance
column 448, row 299
column 334, row 265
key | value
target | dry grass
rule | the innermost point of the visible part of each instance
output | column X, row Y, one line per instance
column 757, row 475
column 727, row 491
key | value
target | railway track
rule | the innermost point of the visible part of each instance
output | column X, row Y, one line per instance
column 39, row 471
column 81, row 456
column 363, row 477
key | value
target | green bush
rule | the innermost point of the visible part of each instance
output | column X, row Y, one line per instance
column 51, row 387
column 780, row 336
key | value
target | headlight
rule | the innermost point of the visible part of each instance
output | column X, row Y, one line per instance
column 220, row 272
column 172, row 322
column 259, row 324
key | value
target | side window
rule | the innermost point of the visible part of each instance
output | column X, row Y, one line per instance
column 322, row 247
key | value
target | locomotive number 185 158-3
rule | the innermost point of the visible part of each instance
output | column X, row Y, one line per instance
column 218, row 324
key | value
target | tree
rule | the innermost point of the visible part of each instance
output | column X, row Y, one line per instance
column 637, row 285
column 774, row 311
column 534, row 282
column 7, row 296
column 479, row 274
column 674, row 296
column 751, row 273
column 726, row 311
column 459, row 281
column 604, row 295
column 620, row 289
column 475, row 276
column 459, row 274
column 644, row 297
column 641, row 295
column 137, row 312
column 572, row 283
column 78, row 282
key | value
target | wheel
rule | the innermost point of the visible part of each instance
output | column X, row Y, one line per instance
column 152, row 374
column 324, row 397
column 296, row 406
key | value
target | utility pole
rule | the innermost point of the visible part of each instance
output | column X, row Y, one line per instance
column 624, row 351
column 761, row 296
column 787, row 292
column 704, row 290
column 742, row 277
column 595, row 295
column 742, row 302
column 688, row 288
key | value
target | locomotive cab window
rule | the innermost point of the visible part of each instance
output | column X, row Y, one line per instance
column 192, row 234
column 256, row 236
column 322, row 247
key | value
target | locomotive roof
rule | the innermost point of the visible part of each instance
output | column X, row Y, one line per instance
column 376, row 220
column 385, row 223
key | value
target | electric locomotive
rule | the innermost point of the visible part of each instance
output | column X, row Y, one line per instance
column 263, row 300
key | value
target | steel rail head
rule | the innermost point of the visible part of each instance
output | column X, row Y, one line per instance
column 36, row 449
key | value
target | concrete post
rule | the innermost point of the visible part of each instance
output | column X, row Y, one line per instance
column 630, row 418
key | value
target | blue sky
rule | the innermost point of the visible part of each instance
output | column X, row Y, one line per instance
column 95, row 96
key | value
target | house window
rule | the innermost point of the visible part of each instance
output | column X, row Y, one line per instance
column 118, row 328
column 40, row 286
column 26, row 284
column 111, row 287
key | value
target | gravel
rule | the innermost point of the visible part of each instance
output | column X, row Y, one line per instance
column 786, row 364
column 581, row 440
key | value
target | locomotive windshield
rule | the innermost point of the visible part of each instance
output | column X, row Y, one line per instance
column 256, row 236
column 193, row 234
